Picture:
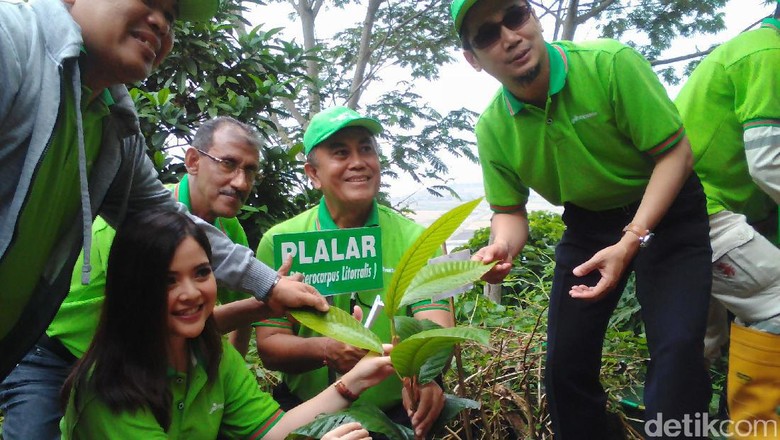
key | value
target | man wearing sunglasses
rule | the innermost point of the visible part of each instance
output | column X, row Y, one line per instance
column 589, row 126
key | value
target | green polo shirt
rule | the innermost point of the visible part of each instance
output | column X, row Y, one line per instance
column 605, row 117
column 232, row 406
column 733, row 90
column 54, row 201
column 398, row 233
column 76, row 321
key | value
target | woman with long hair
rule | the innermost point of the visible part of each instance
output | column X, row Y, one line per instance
column 158, row 367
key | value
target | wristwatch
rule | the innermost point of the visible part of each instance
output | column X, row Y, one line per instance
column 273, row 285
column 644, row 235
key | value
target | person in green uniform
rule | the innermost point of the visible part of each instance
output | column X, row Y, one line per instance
column 589, row 126
column 72, row 149
column 731, row 109
column 343, row 162
column 158, row 367
column 222, row 166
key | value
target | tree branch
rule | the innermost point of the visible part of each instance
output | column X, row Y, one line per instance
column 596, row 10
column 683, row 57
column 380, row 48
column 316, row 5
column 364, row 52
column 570, row 20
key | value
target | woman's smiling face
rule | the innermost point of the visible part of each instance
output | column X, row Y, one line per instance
column 192, row 291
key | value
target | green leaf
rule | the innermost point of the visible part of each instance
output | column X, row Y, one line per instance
column 406, row 326
column 442, row 277
column 371, row 417
column 339, row 325
column 452, row 406
column 421, row 250
column 409, row 356
column 434, row 365
column 163, row 95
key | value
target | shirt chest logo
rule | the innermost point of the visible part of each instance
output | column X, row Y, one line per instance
column 579, row 118
column 216, row 407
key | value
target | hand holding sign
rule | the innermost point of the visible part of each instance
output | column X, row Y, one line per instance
column 291, row 294
column 284, row 270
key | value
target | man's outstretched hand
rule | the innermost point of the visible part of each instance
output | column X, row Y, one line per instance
column 291, row 294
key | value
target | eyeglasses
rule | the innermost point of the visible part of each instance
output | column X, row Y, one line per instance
column 489, row 33
column 230, row 167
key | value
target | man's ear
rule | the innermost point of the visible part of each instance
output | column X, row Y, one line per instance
column 192, row 161
column 472, row 59
column 311, row 171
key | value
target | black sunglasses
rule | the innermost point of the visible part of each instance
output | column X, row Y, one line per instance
column 489, row 33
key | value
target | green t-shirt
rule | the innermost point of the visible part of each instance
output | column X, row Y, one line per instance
column 605, row 118
column 53, row 203
column 398, row 233
column 230, row 407
column 76, row 321
column 733, row 90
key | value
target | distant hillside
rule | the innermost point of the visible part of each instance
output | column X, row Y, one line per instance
column 428, row 208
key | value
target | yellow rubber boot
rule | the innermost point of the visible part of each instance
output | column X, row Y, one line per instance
column 754, row 384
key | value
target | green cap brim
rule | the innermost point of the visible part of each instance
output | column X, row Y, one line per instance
column 459, row 9
column 197, row 10
column 370, row 124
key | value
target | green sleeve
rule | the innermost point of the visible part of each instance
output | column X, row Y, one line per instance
column 235, row 232
column 248, row 412
column 265, row 253
column 94, row 420
column 755, row 82
column 643, row 111
column 426, row 306
column 102, row 238
column 504, row 190
column 265, row 250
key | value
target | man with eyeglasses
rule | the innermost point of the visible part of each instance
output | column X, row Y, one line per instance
column 589, row 126
column 343, row 162
column 214, row 189
column 71, row 148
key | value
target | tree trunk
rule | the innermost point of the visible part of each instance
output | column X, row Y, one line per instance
column 308, row 12
column 570, row 21
column 364, row 54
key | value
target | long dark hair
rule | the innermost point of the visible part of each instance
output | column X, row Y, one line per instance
column 126, row 364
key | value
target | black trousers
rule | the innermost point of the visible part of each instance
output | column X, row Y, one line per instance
column 673, row 278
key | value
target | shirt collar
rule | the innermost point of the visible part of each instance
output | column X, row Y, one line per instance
column 100, row 105
column 325, row 221
column 559, row 67
column 771, row 22
column 182, row 192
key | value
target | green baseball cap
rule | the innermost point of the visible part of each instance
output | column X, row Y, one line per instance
column 197, row 10
column 458, row 10
column 327, row 122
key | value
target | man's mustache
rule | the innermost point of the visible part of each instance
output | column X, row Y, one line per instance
column 241, row 195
